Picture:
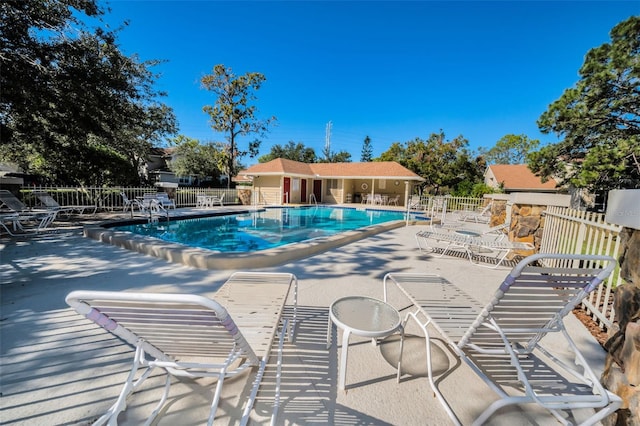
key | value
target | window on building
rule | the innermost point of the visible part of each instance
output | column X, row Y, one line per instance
column 332, row 184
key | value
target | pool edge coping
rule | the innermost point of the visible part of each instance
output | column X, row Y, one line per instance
column 215, row 260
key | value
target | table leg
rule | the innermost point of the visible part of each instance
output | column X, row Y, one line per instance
column 343, row 358
column 329, row 327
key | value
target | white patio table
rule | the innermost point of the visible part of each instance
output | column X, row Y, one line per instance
column 362, row 316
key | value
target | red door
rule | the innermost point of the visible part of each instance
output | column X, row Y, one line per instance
column 286, row 196
column 317, row 190
column 303, row 191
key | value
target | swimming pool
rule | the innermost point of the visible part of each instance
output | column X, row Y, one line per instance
column 263, row 229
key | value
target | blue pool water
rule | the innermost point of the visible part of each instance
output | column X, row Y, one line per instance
column 263, row 229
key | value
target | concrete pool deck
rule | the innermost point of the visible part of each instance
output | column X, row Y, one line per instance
column 58, row 368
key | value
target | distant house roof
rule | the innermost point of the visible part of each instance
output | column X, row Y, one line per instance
column 371, row 170
column 10, row 174
column 517, row 178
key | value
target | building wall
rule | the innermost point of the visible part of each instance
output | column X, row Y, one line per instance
column 490, row 179
column 268, row 189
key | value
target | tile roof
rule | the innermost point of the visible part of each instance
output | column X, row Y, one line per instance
column 381, row 169
column 518, row 176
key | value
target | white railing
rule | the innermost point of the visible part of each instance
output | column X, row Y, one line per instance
column 429, row 203
column 109, row 198
column 578, row 232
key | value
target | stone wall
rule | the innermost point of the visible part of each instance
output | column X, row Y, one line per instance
column 498, row 212
column 630, row 256
column 527, row 224
column 622, row 368
column 245, row 196
column 527, row 221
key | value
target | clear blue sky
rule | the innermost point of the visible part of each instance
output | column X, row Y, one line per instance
column 387, row 69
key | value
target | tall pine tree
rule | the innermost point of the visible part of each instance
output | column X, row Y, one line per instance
column 367, row 150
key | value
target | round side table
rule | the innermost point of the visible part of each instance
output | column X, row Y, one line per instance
column 362, row 316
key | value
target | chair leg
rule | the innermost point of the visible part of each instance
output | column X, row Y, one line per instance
column 128, row 389
column 404, row 323
column 276, row 402
column 432, row 381
column 163, row 399
column 216, row 397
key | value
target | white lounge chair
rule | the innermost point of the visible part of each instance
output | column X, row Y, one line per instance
column 475, row 245
column 441, row 218
column 47, row 201
column 17, row 224
column 482, row 216
column 17, row 219
column 11, row 203
column 193, row 336
column 501, row 341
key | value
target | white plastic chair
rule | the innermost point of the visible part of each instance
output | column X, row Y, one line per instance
column 128, row 204
column 214, row 199
column 201, row 201
column 151, row 206
column 165, row 201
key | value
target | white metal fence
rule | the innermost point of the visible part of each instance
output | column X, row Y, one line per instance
column 429, row 203
column 579, row 232
column 111, row 199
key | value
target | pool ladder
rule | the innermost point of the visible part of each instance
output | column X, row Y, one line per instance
column 312, row 197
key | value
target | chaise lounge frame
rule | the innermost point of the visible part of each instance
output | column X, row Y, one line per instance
column 14, row 216
column 472, row 245
column 48, row 202
column 501, row 341
column 193, row 336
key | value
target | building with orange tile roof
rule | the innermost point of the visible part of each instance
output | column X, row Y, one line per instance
column 517, row 178
column 282, row 181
